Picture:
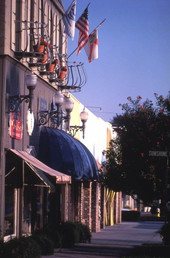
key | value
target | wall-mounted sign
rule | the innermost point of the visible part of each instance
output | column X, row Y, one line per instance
column 30, row 122
column 15, row 125
column 158, row 153
column 42, row 104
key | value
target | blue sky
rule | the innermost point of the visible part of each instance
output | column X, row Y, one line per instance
column 134, row 53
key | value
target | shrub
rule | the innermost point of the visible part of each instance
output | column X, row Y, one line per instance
column 84, row 232
column 165, row 233
column 24, row 247
column 52, row 231
column 1, row 247
column 45, row 243
column 65, row 234
column 69, row 234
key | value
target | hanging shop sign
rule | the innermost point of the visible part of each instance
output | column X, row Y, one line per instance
column 30, row 122
column 15, row 125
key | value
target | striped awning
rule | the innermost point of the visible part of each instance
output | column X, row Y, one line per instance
column 39, row 167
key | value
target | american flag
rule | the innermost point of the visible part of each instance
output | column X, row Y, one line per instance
column 82, row 25
column 69, row 20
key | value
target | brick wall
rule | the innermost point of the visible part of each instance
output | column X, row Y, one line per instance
column 65, row 201
column 102, row 206
column 87, row 204
column 87, row 189
column 96, row 210
column 118, row 206
column 70, row 203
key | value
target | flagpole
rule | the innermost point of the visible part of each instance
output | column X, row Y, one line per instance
column 98, row 26
column 84, row 10
column 90, row 34
column 77, row 20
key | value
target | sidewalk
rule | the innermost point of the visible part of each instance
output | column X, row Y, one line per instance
column 114, row 241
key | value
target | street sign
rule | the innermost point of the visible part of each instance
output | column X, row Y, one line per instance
column 158, row 153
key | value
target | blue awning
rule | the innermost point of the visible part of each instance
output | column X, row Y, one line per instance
column 62, row 152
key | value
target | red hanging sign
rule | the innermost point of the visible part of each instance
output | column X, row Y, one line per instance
column 15, row 125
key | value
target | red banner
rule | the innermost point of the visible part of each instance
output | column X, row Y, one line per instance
column 15, row 125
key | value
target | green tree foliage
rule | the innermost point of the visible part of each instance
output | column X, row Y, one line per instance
column 140, row 129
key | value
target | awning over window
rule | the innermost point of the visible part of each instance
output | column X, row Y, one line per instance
column 39, row 173
column 38, row 167
column 62, row 152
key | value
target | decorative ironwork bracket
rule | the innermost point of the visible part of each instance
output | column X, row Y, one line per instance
column 74, row 129
column 55, row 118
column 15, row 101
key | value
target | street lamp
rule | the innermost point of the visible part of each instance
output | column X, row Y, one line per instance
column 61, row 108
column 74, row 129
column 58, row 98
column 15, row 101
column 56, row 114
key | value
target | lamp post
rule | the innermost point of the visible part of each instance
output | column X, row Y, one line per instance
column 68, row 106
column 63, row 103
column 15, row 101
column 74, row 129
column 61, row 108
column 56, row 114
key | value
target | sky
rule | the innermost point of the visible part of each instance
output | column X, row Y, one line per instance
column 134, row 53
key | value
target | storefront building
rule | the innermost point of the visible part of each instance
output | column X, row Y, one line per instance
column 105, row 204
column 46, row 175
column 28, row 186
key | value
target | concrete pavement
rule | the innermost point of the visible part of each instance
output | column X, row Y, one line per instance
column 114, row 241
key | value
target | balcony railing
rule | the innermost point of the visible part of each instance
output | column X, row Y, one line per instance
column 41, row 54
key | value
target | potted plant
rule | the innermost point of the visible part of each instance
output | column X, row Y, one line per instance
column 63, row 72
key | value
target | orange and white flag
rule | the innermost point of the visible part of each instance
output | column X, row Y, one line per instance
column 91, row 47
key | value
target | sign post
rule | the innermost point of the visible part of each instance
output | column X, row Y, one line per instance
column 167, row 155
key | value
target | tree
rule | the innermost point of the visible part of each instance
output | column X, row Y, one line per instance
column 140, row 129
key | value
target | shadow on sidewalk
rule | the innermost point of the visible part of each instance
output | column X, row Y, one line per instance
column 92, row 250
column 150, row 250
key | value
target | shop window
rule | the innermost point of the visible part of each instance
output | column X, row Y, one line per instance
column 13, row 26
column 35, row 208
column 9, row 211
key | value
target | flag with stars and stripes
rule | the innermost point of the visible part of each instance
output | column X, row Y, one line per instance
column 69, row 20
column 82, row 25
